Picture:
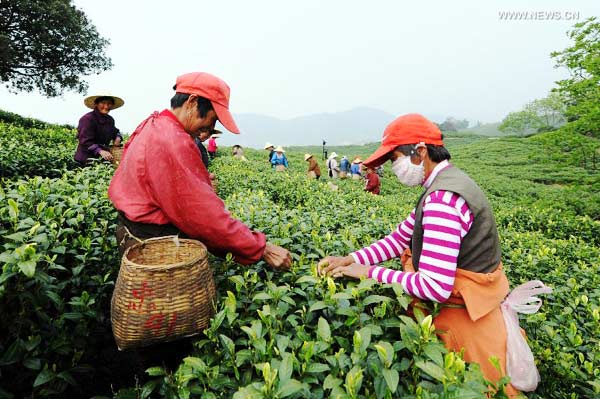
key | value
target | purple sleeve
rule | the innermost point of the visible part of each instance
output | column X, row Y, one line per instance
column 87, row 134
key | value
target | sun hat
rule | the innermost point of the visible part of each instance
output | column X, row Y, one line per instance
column 279, row 149
column 406, row 129
column 357, row 160
column 268, row 145
column 333, row 155
column 212, row 88
column 307, row 156
column 90, row 101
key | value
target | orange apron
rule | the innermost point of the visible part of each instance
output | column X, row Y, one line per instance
column 478, row 327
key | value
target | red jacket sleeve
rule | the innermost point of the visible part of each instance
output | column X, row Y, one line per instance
column 179, row 183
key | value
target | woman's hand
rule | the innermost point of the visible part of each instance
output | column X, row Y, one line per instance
column 354, row 270
column 331, row 262
column 106, row 155
column 277, row 257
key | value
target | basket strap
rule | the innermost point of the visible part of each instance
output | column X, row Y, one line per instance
column 129, row 235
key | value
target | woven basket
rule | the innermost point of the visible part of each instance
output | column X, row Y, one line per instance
column 279, row 168
column 312, row 174
column 165, row 291
column 116, row 152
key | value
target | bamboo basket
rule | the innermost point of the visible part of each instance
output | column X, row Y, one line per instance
column 117, row 152
column 280, row 168
column 165, row 291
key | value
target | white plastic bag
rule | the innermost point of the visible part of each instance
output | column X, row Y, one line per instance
column 520, row 366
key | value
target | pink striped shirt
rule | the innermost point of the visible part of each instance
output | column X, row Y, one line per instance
column 446, row 220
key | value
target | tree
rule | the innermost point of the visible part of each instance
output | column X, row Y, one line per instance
column 550, row 112
column 582, row 89
column 452, row 124
column 520, row 122
column 540, row 115
column 48, row 45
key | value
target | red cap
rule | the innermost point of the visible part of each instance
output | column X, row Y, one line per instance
column 212, row 88
column 406, row 129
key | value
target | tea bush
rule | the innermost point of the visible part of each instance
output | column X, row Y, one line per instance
column 36, row 152
column 291, row 334
column 58, row 269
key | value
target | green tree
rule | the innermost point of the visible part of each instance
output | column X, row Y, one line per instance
column 520, row 122
column 537, row 116
column 48, row 45
column 582, row 89
column 550, row 112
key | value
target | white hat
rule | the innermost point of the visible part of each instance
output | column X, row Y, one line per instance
column 279, row 149
column 268, row 145
column 333, row 155
column 90, row 101
column 307, row 156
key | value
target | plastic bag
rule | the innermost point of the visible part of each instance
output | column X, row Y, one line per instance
column 520, row 365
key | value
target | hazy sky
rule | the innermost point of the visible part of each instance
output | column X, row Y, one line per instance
column 291, row 58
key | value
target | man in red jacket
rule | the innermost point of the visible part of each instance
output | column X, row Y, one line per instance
column 372, row 184
column 162, row 187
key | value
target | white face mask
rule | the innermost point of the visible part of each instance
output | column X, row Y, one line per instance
column 408, row 173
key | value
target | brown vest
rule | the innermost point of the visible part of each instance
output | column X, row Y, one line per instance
column 480, row 248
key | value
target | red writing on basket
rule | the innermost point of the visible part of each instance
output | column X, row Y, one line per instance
column 140, row 295
column 157, row 321
column 154, row 322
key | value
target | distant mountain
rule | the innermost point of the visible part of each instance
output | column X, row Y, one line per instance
column 356, row 126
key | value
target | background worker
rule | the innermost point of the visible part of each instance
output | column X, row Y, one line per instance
column 355, row 168
column 271, row 148
column 279, row 160
column 97, row 129
column 372, row 182
column 332, row 166
column 314, row 171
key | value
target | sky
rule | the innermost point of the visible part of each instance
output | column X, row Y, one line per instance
column 292, row 58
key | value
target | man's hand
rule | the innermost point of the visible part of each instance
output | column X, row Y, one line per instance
column 354, row 270
column 106, row 155
column 331, row 262
column 277, row 257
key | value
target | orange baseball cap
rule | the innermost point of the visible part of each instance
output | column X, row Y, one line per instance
column 212, row 88
column 406, row 129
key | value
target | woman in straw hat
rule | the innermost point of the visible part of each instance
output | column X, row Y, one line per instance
column 97, row 129
column 271, row 148
column 332, row 166
column 355, row 168
column 279, row 160
column 314, row 171
column 448, row 246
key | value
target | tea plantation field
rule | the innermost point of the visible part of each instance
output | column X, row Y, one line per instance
column 293, row 334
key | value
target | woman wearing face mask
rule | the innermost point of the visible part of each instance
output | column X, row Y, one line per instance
column 448, row 245
column 97, row 129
